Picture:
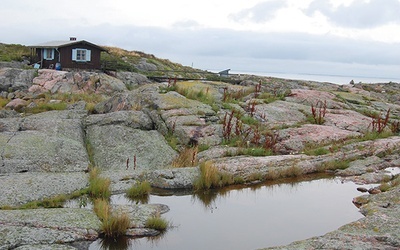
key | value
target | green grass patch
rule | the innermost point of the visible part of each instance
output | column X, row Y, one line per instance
column 370, row 136
column 99, row 187
column 44, row 107
column 157, row 223
column 139, row 190
column 249, row 120
column 317, row 151
column 255, row 152
column 172, row 140
column 53, row 202
column 335, row 164
column 3, row 102
column 13, row 52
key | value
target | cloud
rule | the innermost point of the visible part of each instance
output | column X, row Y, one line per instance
column 360, row 13
column 188, row 24
column 261, row 12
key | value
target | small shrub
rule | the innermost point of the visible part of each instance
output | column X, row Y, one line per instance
column 157, row 223
column 139, row 190
column 378, row 123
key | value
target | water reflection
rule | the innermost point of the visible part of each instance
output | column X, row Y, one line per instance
column 242, row 217
column 121, row 243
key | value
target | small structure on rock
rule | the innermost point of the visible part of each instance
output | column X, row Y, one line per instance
column 67, row 54
column 224, row 73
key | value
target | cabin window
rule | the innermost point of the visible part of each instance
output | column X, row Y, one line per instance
column 81, row 55
column 48, row 54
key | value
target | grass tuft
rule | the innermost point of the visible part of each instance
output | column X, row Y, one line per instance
column 157, row 223
column 113, row 225
column 138, row 190
column 211, row 177
column 99, row 187
column 186, row 158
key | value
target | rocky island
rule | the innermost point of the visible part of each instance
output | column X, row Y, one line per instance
column 57, row 126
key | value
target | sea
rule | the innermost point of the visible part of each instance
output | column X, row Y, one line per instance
column 336, row 79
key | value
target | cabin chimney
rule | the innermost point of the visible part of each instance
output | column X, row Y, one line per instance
column 72, row 38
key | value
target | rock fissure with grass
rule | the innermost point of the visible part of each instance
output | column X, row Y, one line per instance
column 56, row 125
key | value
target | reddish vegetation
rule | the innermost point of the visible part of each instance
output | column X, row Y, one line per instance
column 378, row 123
column 318, row 112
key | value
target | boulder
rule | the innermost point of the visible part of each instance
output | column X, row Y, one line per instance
column 132, row 79
column 16, row 104
column 146, row 66
column 12, row 79
column 75, row 82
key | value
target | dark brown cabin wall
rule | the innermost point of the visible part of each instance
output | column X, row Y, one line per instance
column 66, row 57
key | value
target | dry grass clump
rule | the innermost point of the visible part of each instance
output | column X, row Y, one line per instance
column 186, row 158
column 211, row 177
column 113, row 225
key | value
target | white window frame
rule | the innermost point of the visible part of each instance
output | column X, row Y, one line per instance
column 48, row 54
column 81, row 55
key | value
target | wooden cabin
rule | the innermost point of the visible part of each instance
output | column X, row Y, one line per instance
column 70, row 54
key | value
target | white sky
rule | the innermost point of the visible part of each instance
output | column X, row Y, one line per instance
column 325, row 29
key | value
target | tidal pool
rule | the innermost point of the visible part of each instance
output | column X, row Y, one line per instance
column 268, row 214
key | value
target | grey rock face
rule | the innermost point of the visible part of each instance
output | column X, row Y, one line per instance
column 17, row 189
column 132, row 119
column 113, row 145
column 47, row 142
column 46, row 226
column 146, row 66
column 15, row 79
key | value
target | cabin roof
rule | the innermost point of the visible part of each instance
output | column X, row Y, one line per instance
column 60, row 44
